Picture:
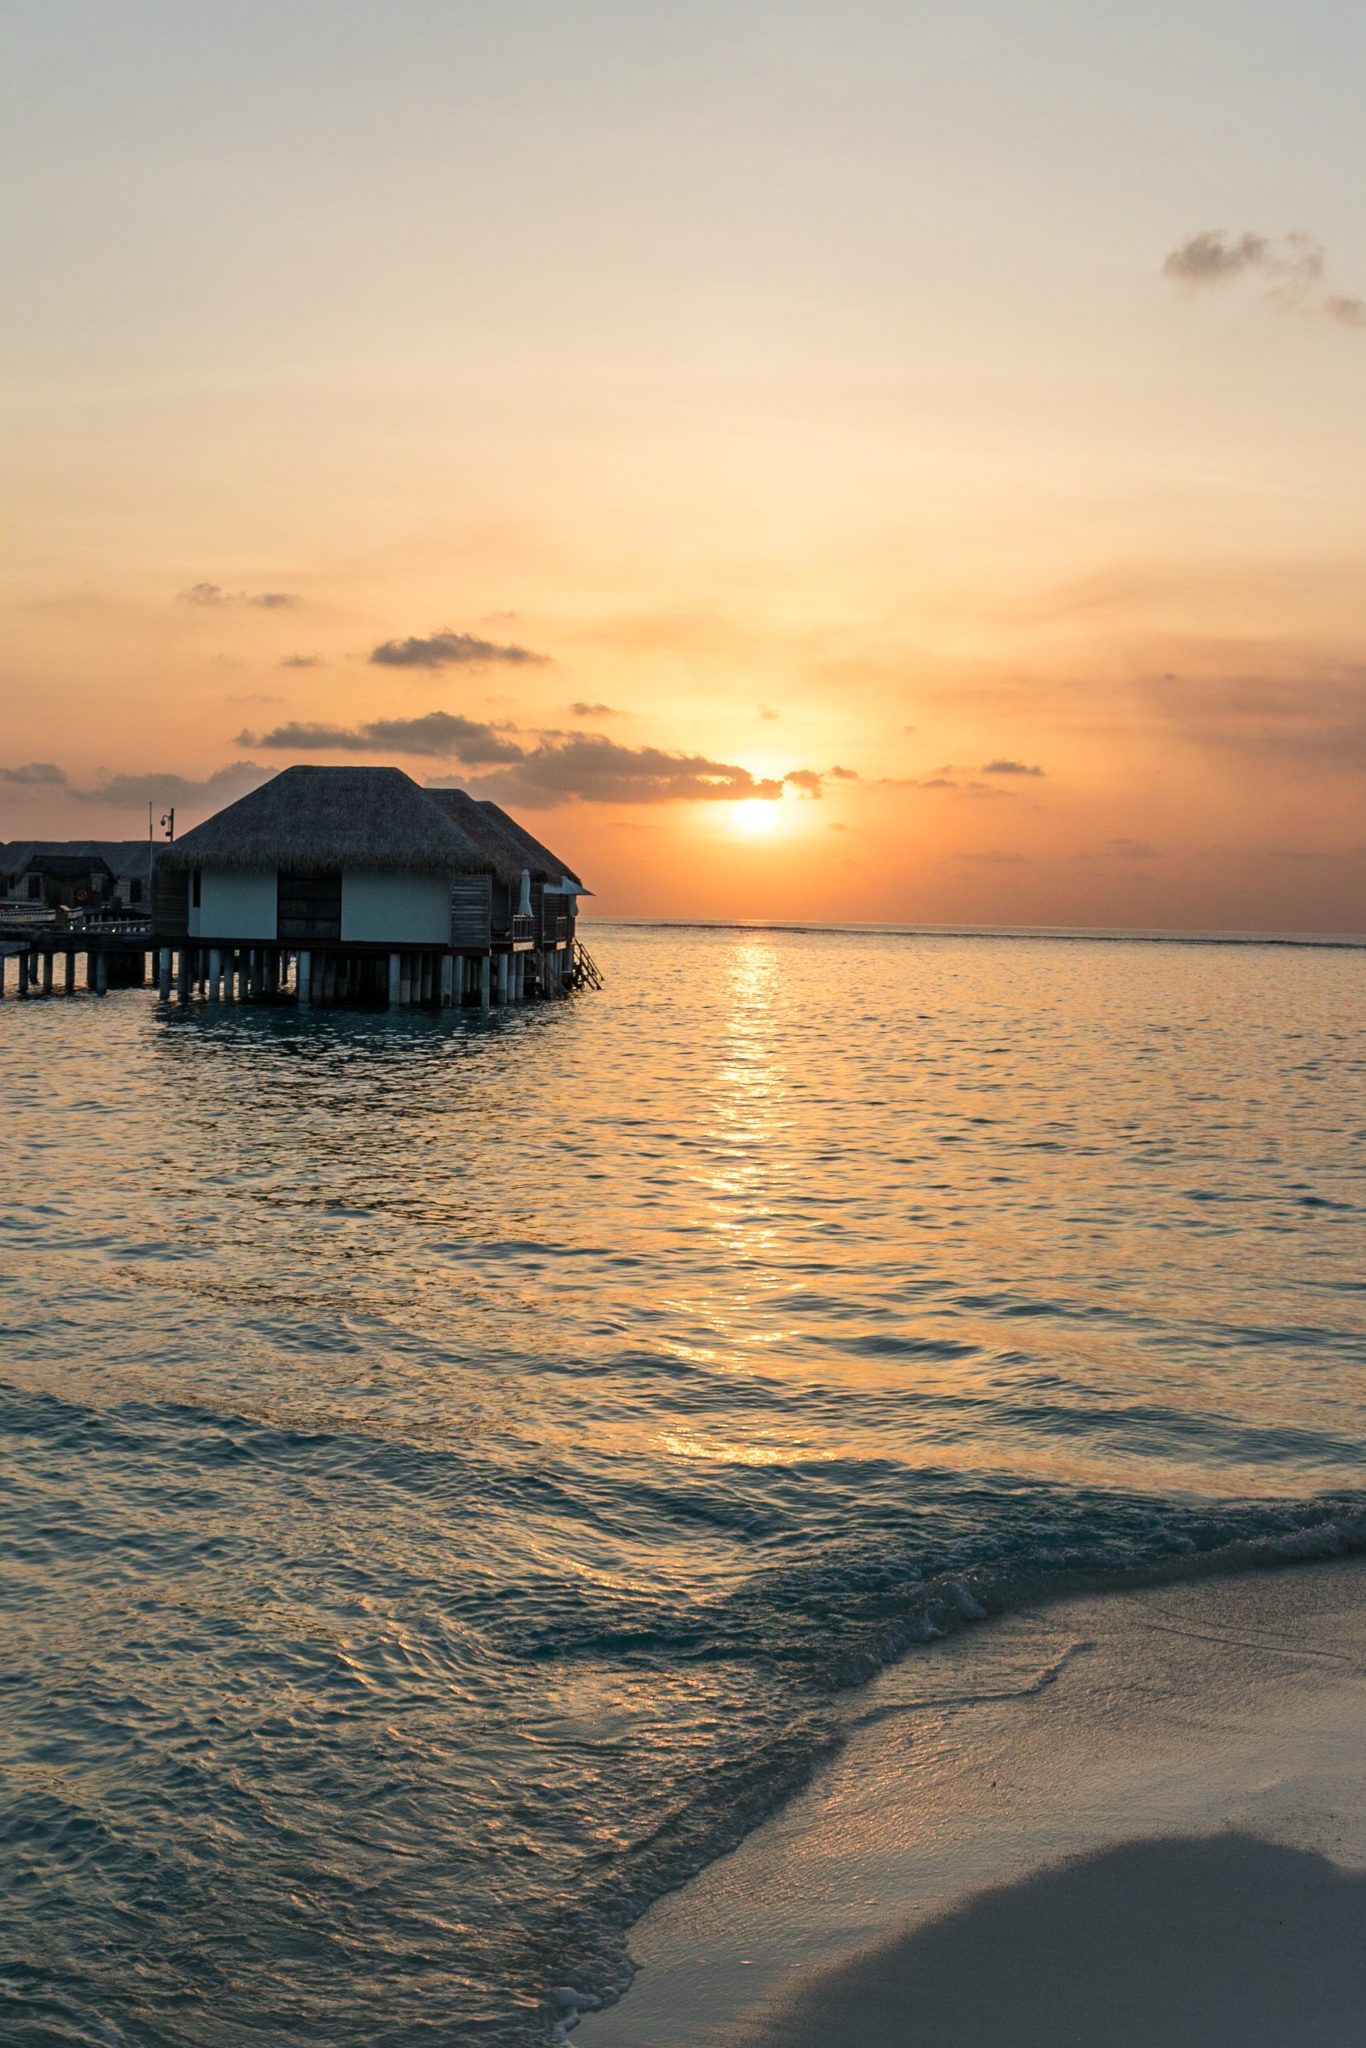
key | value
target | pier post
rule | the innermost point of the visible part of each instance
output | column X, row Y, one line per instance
column 447, row 981
column 395, row 980
column 304, row 978
column 183, row 974
column 47, row 973
column 23, row 974
column 164, row 973
column 69, row 971
column 101, row 974
column 485, row 978
column 215, row 972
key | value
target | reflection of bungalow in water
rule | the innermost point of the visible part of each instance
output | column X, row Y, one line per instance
column 89, row 875
column 353, row 884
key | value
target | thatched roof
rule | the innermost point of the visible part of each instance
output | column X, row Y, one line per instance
column 538, row 858
column 120, row 856
column 504, row 849
column 317, row 820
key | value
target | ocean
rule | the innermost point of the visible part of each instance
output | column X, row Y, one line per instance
column 458, row 1470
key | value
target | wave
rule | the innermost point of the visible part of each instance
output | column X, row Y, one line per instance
column 590, row 1944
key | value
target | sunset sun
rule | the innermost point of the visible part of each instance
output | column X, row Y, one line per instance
column 754, row 817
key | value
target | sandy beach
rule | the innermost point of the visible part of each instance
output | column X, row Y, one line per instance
column 1127, row 1818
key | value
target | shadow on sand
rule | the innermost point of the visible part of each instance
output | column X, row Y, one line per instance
column 1230, row 1942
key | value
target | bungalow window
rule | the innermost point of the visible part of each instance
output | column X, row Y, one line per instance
column 35, row 888
column 308, row 906
column 196, row 887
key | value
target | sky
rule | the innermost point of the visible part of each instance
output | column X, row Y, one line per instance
column 890, row 462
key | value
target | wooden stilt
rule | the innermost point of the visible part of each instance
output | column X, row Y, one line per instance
column 101, row 974
column 304, row 977
column 447, row 981
column 395, row 980
column 23, row 974
column 47, row 974
column 485, row 977
column 164, row 974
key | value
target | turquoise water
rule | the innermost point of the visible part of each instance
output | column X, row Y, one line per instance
column 456, row 1471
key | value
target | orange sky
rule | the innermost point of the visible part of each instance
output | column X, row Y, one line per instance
column 802, row 396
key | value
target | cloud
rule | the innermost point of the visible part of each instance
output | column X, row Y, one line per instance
column 1315, row 719
column 1130, row 849
column 587, row 768
column 767, row 711
column 134, row 790
column 537, row 769
column 439, row 735
column 838, row 774
column 210, row 594
column 1009, row 768
column 451, row 650
column 1292, row 268
column 35, row 775
column 596, row 711
column 301, row 661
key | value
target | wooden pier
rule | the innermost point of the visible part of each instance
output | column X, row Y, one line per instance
column 47, row 962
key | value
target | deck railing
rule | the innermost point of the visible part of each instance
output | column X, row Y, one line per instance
column 523, row 927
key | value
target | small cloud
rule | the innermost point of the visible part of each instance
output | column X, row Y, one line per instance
column 34, row 775
column 837, row 827
column 302, row 661
column 1010, row 768
column 582, row 710
column 439, row 735
column 1293, row 269
column 838, row 774
column 1130, row 849
column 587, row 768
column 1211, row 257
column 805, row 779
column 767, row 711
column 134, row 790
column 212, row 594
column 451, row 650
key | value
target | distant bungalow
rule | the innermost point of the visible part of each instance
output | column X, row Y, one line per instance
column 356, row 885
column 94, row 876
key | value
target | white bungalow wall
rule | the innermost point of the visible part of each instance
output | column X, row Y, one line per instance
column 399, row 910
column 234, row 903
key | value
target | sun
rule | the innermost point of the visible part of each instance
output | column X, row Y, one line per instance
column 754, row 816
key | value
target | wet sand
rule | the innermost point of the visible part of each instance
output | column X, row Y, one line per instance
column 1127, row 1819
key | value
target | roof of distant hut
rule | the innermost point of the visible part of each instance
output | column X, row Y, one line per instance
column 505, row 851
column 120, row 856
column 538, row 858
column 314, row 821
column 64, row 858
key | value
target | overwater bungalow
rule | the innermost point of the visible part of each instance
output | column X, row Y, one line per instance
column 357, row 885
column 90, row 876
